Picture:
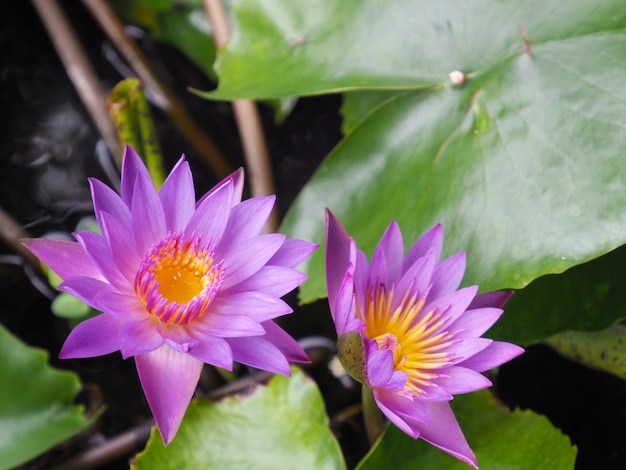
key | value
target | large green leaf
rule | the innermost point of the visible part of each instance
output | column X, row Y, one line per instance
column 294, row 47
column 283, row 425
column 500, row 439
column 587, row 297
column 523, row 166
column 36, row 410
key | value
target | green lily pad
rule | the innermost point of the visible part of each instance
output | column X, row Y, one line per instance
column 297, row 47
column 499, row 438
column 36, row 410
column 282, row 425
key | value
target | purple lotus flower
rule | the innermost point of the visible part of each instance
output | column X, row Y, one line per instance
column 408, row 333
column 180, row 283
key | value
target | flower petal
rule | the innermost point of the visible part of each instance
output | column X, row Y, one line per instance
column 148, row 217
column 127, row 308
column 474, row 323
column 454, row 304
column 211, row 216
column 93, row 337
column 443, row 431
column 139, row 337
column 344, row 310
column 340, row 255
column 256, row 305
column 178, row 197
column 246, row 220
column 288, row 346
column 431, row 239
column 67, row 259
column 244, row 259
column 447, row 276
column 257, row 352
column 272, row 280
column 495, row 299
column 236, row 179
column 169, row 379
column 418, row 276
column 98, row 250
column 403, row 411
column 107, row 200
column 495, row 354
column 230, row 325
column 462, row 380
column 132, row 168
column 122, row 243
column 86, row 289
column 292, row 252
column 392, row 246
column 212, row 350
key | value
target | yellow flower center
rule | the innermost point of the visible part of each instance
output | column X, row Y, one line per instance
column 413, row 336
column 178, row 279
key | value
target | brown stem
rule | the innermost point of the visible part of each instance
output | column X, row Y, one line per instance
column 11, row 233
column 78, row 67
column 248, row 122
column 165, row 98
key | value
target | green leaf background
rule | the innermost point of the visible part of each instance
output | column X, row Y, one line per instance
column 36, row 410
column 281, row 425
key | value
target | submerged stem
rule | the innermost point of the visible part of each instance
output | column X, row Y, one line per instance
column 374, row 420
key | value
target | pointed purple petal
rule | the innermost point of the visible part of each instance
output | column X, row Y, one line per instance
column 259, row 353
column 107, row 200
column 392, row 246
column 462, row 380
column 230, row 325
column 344, row 310
column 443, row 431
column 122, row 243
column 447, row 276
column 246, row 220
column 244, row 259
column 132, row 168
column 465, row 348
column 86, row 289
column 340, row 255
column 495, row 354
column 67, row 259
column 98, row 250
column 379, row 364
column 292, row 252
column 272, row 280
column 139, row 337
column 402, row 411
column 236, row 179
column 169, row 379
column 417, row 277
column 178, row 197
column 454, row 304
column 96, row 336
column 148, row 217
column 495, row 299
column 473, row 323
column 361, row 273
column 211, row 216
column 288, row 346
column 212, row 350
column 127, row 308
column 256, row 305
column 431, row 239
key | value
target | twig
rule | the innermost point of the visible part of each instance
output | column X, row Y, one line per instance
column 165, row 98
column 11, row 233
column 248, row 123
column 78, row 68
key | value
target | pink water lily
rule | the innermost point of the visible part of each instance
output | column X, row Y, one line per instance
column 180, row 283
column 408, row 332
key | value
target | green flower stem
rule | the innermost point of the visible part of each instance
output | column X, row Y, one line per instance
column 374, row 420
column 130, row 113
